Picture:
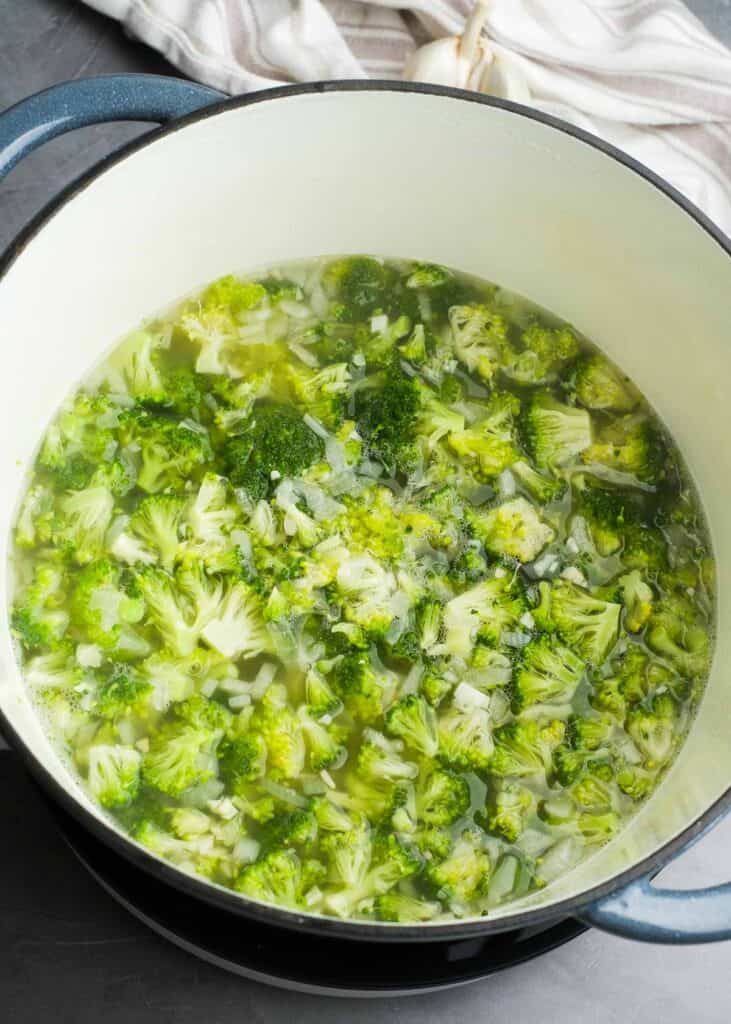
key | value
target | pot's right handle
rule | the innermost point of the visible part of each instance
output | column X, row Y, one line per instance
column 675, row 917
column 678, row 917
column 60, row 109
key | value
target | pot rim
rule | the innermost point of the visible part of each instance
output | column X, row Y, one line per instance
column 211, row 893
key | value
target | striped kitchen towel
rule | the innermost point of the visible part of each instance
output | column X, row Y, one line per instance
column 643, row 74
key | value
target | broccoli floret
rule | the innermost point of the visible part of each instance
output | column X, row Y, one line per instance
column 525, row 748
column 442, row 796
column 470, row 566
column 274, row 878
column 548, row 673
column 232, row 293
column 464, row 874
column 320, row 697
column 630, row 444
column 654, row 729
column 586, row 623
column 358, row 686
column 84, row 517
column 187, row 854
column 595, row 790
column 135, row 366
column 397, row 906
column 323, row 393
column 645, row 549
column 103, row 607
column 241, row 760
column 436, row 420
column 637, row 598
column 171, row 452
column 552, row 433
column 58, row 670
column 637, row 782
column 378, row 758
column 391, row 862
column 607, row 697
column 513, row 529
column 599, row 385
column 114, row 774
column 80, row 438
column 508, row 810
column 167, row 609
column 237, row 630
column 387, row 417
column 543, row 352
column 282, row 732
column 123, row 694
column 480, row 338
column 412, row 720
column 39, row 618
column 349, row 856
column 489, row 446
column 180, row 756
column 608, row 514
column 35, row 519
column 482, row 613
column 589, row 733
column 276, row 441
column 324, row 747
column 465, row 738
column 358, row 285
column 676, row 632
column 593, row 828
column 539, row 488
column 213, row 513
column 436, row 687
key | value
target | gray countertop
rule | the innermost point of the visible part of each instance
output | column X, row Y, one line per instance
column 68, row 953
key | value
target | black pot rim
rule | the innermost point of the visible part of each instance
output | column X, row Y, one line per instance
column 226, row 899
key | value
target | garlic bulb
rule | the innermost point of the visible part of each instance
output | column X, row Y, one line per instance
column 470, row 61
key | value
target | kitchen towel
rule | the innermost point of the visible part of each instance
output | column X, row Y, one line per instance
column 643, row 74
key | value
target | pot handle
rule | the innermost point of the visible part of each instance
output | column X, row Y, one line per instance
column 678, row 917
column 60, row 109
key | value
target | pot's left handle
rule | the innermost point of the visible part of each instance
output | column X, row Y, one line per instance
column 70, row 105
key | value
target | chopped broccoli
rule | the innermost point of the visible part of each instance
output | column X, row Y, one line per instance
column 508, row 810
column 387, row 417
column 39, row 618
column 541, row 489
column 324, row 747
column 276, row 441
column 482, row 613
column 84, row 517
column 630, row 445
column 480, row 338
column 489, row 445
column 412, row 720
column 637, row 598
column 171, row 452
column 676, row 632
column 378, row 758
column 237, row 629
column 514, row 529
column 542, row 353
column 114, row 774
column 274, row 878
column 585, row 622
column 654, row 729
column 464, row 874
column 396, row 906
column 554, row 434
column 548, row 673
column 525, row 748
column 465, row 738
column 156, row 521
column 241, row 760
column 442, row 796
column 600, row 386
column 358, row 285
column 180, row 756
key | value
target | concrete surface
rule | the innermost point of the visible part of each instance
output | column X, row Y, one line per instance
column 68, row 954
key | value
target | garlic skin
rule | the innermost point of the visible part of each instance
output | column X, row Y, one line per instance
column 470, row 61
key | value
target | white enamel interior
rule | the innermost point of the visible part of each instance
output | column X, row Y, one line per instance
column 397, row 174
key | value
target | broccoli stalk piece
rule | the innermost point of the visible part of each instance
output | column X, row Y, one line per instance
column 554, row 434
column 513, row 529
column 412, row 720
column 600, row 386
column 114, row 774
column 548, row 673
column 637, row 598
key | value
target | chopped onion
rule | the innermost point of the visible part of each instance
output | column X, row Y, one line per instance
column 247, row 850
column 289, row 796
column 315, row 426
column 514, row 639
column 307, row 357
